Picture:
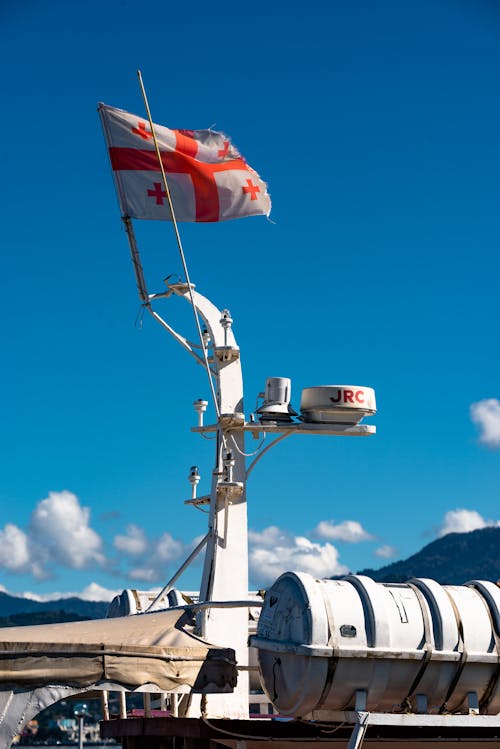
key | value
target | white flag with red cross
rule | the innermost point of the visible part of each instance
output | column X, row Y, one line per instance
column 207, row 177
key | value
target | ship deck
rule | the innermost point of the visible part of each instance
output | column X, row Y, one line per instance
column 199, row 733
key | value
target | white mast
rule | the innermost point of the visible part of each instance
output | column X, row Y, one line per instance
column 225, row 570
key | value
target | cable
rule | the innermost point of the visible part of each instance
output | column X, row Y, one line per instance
column 325, row 727
column 139, row 318
column 248, row 455
column 205, row 512
column 257, row 737
column 235, row 735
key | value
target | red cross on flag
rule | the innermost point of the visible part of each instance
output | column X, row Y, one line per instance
column 207, row 177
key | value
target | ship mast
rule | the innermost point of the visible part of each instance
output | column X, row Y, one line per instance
column 225, row 570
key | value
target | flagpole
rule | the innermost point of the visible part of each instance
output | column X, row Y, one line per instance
column 179, row 243
column 136, row 260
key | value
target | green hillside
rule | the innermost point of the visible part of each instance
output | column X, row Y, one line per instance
column 453, row 559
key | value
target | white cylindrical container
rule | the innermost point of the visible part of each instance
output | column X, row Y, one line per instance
column 322, row 641
column 277, row 390
column 276, row 403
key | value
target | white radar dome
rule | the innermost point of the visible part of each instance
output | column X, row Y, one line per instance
column 342, row 404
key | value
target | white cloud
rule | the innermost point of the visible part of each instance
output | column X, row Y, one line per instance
column 92, row 592
column 486, row 414
column 385, row 552
column 168, row 549
column 59, row 534
column 14, row 549
column 133, row 543
column 349, row 531
column 463, row 521
column 145, row 574
column 274, row 551
column 269, row 538
column 60, row 528
column 96, row 592
column 150, row 558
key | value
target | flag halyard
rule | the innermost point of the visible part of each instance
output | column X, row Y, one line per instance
column 207, row 177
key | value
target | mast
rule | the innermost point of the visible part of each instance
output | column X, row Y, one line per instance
column 225, row 569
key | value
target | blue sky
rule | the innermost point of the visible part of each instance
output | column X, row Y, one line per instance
column 376, row 126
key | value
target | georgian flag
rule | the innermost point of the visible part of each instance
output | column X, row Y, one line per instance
column 207, row 177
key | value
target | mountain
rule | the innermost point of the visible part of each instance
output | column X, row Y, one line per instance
column 10, row 605
column 40, row 617
column 453, row 559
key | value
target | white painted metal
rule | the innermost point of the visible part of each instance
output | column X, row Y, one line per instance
column 361, row 720
column 18, row 707
column 406, row 720
column 276, row 405
column 321, row 641
column 327, row 429
column 345, row 404
column 225, row 571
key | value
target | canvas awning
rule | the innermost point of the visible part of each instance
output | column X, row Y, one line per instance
column 154, row 649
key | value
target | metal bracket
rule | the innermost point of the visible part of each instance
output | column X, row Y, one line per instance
column 473, row 703
column 230, row 489
column 226, row 354
column 204, row 500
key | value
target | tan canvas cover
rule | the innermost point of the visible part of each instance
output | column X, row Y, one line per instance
column 129, row 651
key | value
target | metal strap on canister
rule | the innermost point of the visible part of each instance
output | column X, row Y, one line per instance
column 357, row 581
column 334, row 658
column 493, row 615
column 463, row 654
column 138, row 605
column 428, row 647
